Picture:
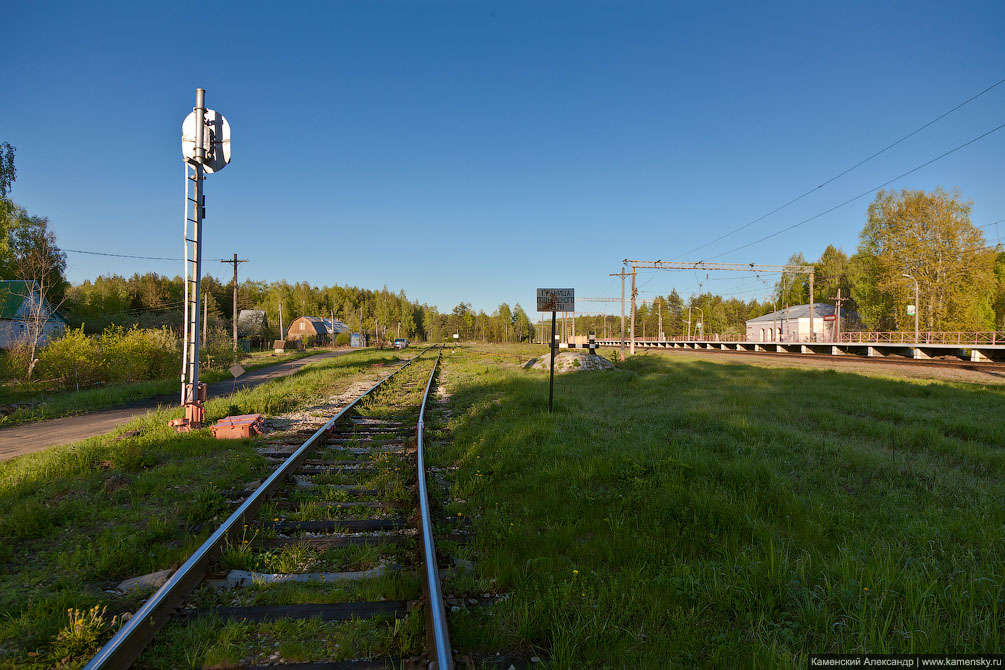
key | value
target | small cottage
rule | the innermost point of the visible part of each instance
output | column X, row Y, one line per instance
column 318, row 328
column 21, row 308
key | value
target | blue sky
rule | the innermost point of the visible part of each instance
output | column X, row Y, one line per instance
column 477, row 150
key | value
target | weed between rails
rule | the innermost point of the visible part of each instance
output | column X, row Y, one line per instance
column 212, row 642
column 724, row 515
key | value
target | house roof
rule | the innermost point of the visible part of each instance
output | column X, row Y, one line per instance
column 324, row 326
column 13, row 293
column 820, row 309
column 250, row 322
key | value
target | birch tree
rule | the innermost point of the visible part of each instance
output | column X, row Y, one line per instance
column 929, row 237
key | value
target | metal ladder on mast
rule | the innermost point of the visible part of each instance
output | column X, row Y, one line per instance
column 192, row 392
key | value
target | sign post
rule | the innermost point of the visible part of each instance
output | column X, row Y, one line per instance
column 555, row 300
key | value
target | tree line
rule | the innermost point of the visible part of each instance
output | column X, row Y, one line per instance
column 911, row 240
column 151, row 300
column 908, row 236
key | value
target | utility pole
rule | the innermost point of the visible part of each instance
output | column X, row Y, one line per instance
column 282, row 331
column 635, row 292
column 622, row 274
column 659, row 308
column 689, row 322
column 813, row 308
column 916, row 310
column 837, row 317
column 235, row 262
column 205, row 315
column 774, row 321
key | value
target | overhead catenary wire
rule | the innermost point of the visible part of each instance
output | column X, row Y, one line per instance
column 843, row 173
column 859, row 196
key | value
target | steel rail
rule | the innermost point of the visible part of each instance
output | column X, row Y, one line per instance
column 129, row 642
column 437, row 611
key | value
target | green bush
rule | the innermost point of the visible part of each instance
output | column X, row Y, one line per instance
column 72, row 360
column 342, row 339
column 18, row 360
column 137, row 354
column 218, row 350
column 116, row 355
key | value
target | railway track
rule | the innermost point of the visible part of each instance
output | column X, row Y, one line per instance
column 330, row 563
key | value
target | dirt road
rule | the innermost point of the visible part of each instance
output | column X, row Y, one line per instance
column 31, row 437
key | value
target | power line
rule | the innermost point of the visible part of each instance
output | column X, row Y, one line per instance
column 861, row 195
column 145, row 258
column 838, row 176
column 101, row 253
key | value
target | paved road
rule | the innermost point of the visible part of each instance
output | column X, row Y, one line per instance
column 30, row 437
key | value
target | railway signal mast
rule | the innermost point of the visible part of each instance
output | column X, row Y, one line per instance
column 205, row 146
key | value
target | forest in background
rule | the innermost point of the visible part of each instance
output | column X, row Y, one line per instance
column 911, row 239
column 909, row 236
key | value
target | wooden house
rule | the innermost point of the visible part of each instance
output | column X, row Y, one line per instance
column 21, row 308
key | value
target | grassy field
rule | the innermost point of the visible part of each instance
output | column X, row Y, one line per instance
column 41, row 405
column 76, row 520
column 681, row 513
column 671, row 513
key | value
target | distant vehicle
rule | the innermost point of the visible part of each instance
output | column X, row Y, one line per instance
column 400, row 343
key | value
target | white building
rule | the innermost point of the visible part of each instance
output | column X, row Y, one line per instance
column 793, row 325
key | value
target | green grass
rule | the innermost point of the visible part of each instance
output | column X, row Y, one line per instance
column 42, row 404
column 240, row 643
column 77, row 519
column 215, row 643
column 680, row 513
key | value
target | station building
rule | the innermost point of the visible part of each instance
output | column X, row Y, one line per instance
column 792, row 324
